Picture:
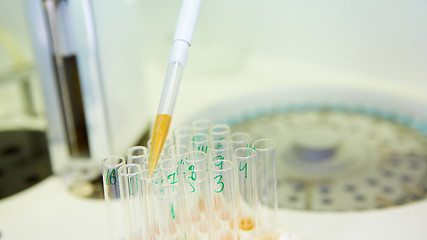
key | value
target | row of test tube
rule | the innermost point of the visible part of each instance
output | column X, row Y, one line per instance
column 209, row 184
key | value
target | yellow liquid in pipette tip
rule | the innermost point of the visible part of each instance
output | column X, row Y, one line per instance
column 160, row 133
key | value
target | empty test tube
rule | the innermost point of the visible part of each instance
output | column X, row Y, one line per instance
column 266, row 170
column 195, row 160
column 244, row 159
column 132, row 202
column 170, row 215
column 219, row 150
column 182, row 134
column 224, row 198
column 110, row 180
column 198, row 197
column 137, row 155
column 201, row 126
column 176, row 151
column 149, row 186
column 219, row 132
column 239, row 140
column 169, row 168
column 198, row 142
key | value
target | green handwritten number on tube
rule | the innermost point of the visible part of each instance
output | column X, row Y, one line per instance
column 130, row 187
column 219, row 182
column 172, row 211
column 220, row 163
column 173, row 178
column 245, row 167
column 193, row 189
column 106, row 177
column 112, row 179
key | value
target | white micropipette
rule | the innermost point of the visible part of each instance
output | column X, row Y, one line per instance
column 177, row 59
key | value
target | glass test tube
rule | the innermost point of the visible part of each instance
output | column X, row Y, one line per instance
column 201, row 126
column 149, row 186
column 198, row 142
column 195, row 160
column 267, row 188
column 110, row 180
column 182, row 135
column 244, row 159
column 224, row 198
column 170, row 213
column 219, row 150
column 266, row 161
column 219, row 132
column 198, row 197
column 239, row 140
column 176, row 151
column 169, row 169
column 132, row 202
column 137, row 155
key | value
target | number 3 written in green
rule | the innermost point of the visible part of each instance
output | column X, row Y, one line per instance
column 219, row 182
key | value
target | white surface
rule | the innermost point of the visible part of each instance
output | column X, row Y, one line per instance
column 48, row 211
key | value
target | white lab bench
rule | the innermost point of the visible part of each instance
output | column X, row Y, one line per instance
column 49, row 211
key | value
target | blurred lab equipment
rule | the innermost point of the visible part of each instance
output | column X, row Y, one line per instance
column 24, row 157
column 93, row 105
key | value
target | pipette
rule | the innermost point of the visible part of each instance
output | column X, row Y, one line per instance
column 177, row 59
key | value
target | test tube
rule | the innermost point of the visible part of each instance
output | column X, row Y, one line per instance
column 182, row 135
column 149, row 186
column 224, row 198
column 110, row 180
column 239, row 140
column 170, row 213
column 169, row 170
column 267, row 188
column 266, row 172
column 219, row 150
column 198, row 142
column 132, row 202
column 137, row 155
column 195, row 160
column 247, row 189
column 219, row 132
column 176, row 151
column 201, row 126
column 198, row 197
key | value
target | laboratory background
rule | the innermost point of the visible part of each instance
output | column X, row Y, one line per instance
column 339, row 86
